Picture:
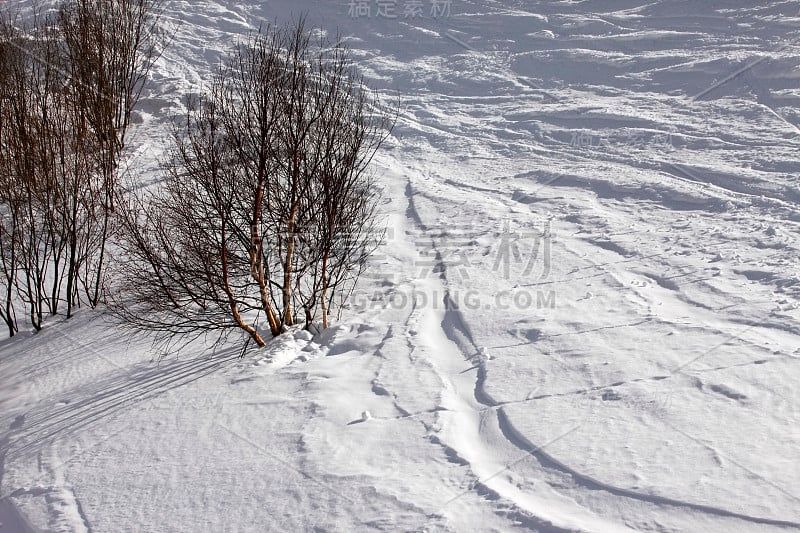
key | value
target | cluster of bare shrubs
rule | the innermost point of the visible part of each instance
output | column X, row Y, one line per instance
column 69, row 79
column 265, row 215
column 267, row 210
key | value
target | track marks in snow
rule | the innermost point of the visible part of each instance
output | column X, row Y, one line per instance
column 457, row 331
column 463, row 431
column 63, row 509
column 443, row 336
column 590, row 483
column 108, row 398
column 66, row 513
column 10, row 517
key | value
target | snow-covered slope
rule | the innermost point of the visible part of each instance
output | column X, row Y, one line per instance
column 585, row 316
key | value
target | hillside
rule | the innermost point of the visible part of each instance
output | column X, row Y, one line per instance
column 584, row 316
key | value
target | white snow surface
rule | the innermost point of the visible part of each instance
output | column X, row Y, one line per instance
column 584, row 317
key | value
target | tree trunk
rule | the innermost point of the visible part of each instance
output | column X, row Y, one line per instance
column 231, row 299
column 287, row 270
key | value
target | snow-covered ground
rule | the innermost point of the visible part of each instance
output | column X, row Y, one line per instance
column 584, row 318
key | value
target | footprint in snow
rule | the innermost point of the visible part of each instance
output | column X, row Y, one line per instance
column 728, row 392
column 366, row 415
column 18, row 422
column 611, row 395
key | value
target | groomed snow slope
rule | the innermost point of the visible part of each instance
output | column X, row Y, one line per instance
column 585, row 316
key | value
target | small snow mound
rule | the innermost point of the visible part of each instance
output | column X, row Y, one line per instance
column 303, row 335
column 350, row 337
column 547, row 34
column 326, row 337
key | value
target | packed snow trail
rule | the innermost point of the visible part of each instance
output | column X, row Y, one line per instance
column 494, row 424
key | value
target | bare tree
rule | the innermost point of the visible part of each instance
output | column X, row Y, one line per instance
column 348, row 132
column 10, row 204
column 252, row 116
column 185, row 268
column 268, row 205
column 111, row 46
column 68, row 84
column 28, row 83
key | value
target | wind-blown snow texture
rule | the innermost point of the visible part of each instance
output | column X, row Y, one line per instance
column 585, row 316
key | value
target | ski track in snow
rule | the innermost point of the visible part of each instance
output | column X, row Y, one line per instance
column 456, row 331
